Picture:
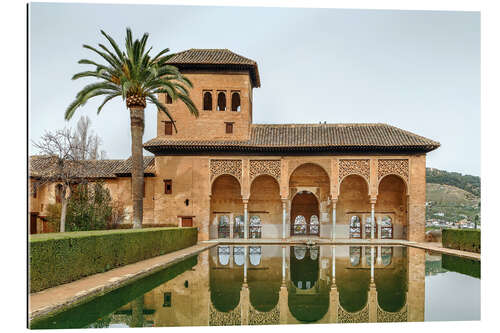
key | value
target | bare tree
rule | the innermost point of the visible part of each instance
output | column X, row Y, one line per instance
column 87, row 142
column 63, row 164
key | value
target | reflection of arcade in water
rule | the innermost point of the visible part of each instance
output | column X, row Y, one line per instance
column 252, row 285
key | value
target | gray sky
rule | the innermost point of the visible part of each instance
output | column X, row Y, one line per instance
column 417, row 70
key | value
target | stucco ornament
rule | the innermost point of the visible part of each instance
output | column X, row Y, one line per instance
column 218, row 318
column 264, row 318
column 356, row 317
column 354, row 167
column 392, row 317
column 225, row 167
column 393, row 167
column 265, row 167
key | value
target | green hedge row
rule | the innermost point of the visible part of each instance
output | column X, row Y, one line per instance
column 462, row 239
column 59, row 258
column 144, row 225
column 462, row 265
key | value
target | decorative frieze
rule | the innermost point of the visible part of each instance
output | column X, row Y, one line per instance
column 354, row 166
column 264, row 318
column 393, row 167
column 361, row 316
column 265, row 167
column 218, row 318
column 392, row 317
column 225, row 167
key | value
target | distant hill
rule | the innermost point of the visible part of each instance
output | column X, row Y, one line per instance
column 451, row 196
column 468, row 183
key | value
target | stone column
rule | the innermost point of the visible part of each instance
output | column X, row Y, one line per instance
column 379, row 254
column 334, row 217
column 379, row 228
column 284, row 218
column 245, row 206
column 283, row 265
column 372, row 270
column 245, row 266
column 372, row 229
column 333, row 264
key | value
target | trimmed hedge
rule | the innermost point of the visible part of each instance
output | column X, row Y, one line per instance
column 462, row 265
column 64, row 257
column 145, row 225
column 462, row 239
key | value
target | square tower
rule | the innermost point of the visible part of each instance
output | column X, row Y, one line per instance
column 223, row 82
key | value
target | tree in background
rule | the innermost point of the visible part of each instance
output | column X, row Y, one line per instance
column 89, row 208
column 87, row 142
column 137, row 78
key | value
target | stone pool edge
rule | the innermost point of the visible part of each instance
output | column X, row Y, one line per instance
column 112, row 283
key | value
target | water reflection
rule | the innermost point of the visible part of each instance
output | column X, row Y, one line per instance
column 258, row 285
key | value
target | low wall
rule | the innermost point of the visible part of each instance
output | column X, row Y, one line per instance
column 462, row 239
column 59, row 258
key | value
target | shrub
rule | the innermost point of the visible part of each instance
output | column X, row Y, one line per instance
column 64, row 257
column 462, row 265
column 89, row 208
column 460, row 239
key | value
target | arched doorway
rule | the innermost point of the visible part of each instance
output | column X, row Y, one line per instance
column 226, row 207
column 392, row 202
column 304, row 215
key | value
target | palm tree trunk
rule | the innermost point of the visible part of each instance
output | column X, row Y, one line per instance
column 137, row 131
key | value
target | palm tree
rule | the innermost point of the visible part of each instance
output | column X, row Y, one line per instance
column 137, row 77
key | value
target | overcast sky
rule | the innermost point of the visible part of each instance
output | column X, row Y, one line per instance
column 417, row 70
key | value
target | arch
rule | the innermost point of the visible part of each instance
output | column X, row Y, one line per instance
column 225, row 200
column 392, row 285
column 305, row 164
column 265, row 202
column 304, row 206
column 207, row 101
column 235, row 101
column 394, row 175
column 303, row 268
column 354, row 199
column 221, row 101
column 392, row 199
column 225, row 287
column 353, row 285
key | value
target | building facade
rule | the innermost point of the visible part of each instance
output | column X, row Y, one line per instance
column 232, row 178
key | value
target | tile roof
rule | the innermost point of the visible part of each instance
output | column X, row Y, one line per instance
column 40, row 166
column 315, row 137
column 220, row 58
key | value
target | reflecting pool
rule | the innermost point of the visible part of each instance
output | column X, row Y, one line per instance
column 274, row 284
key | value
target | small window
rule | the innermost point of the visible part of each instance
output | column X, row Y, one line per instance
column 168, row 186
column 167, row 299
column 221, row 101
column 169, row 99
column 235, row 101
column 207, row 101
column 229, row 128
column 169, row 128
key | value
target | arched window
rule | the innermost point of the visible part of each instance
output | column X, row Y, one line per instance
column 59, row 190
column 239, row 255
column 299, row 225
column 223, row 253
column 314, row 252
column 207, row 101
column 355, row 227
column 239, row 226
column 355, row 255
column 221, row 101
column 314, row 225
column 386, row 253
column 235, row 101
column 299, row 252
column 255, row 255
column 223, row 226
column 386, row 228
column 368, row 228
column 255, row 229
